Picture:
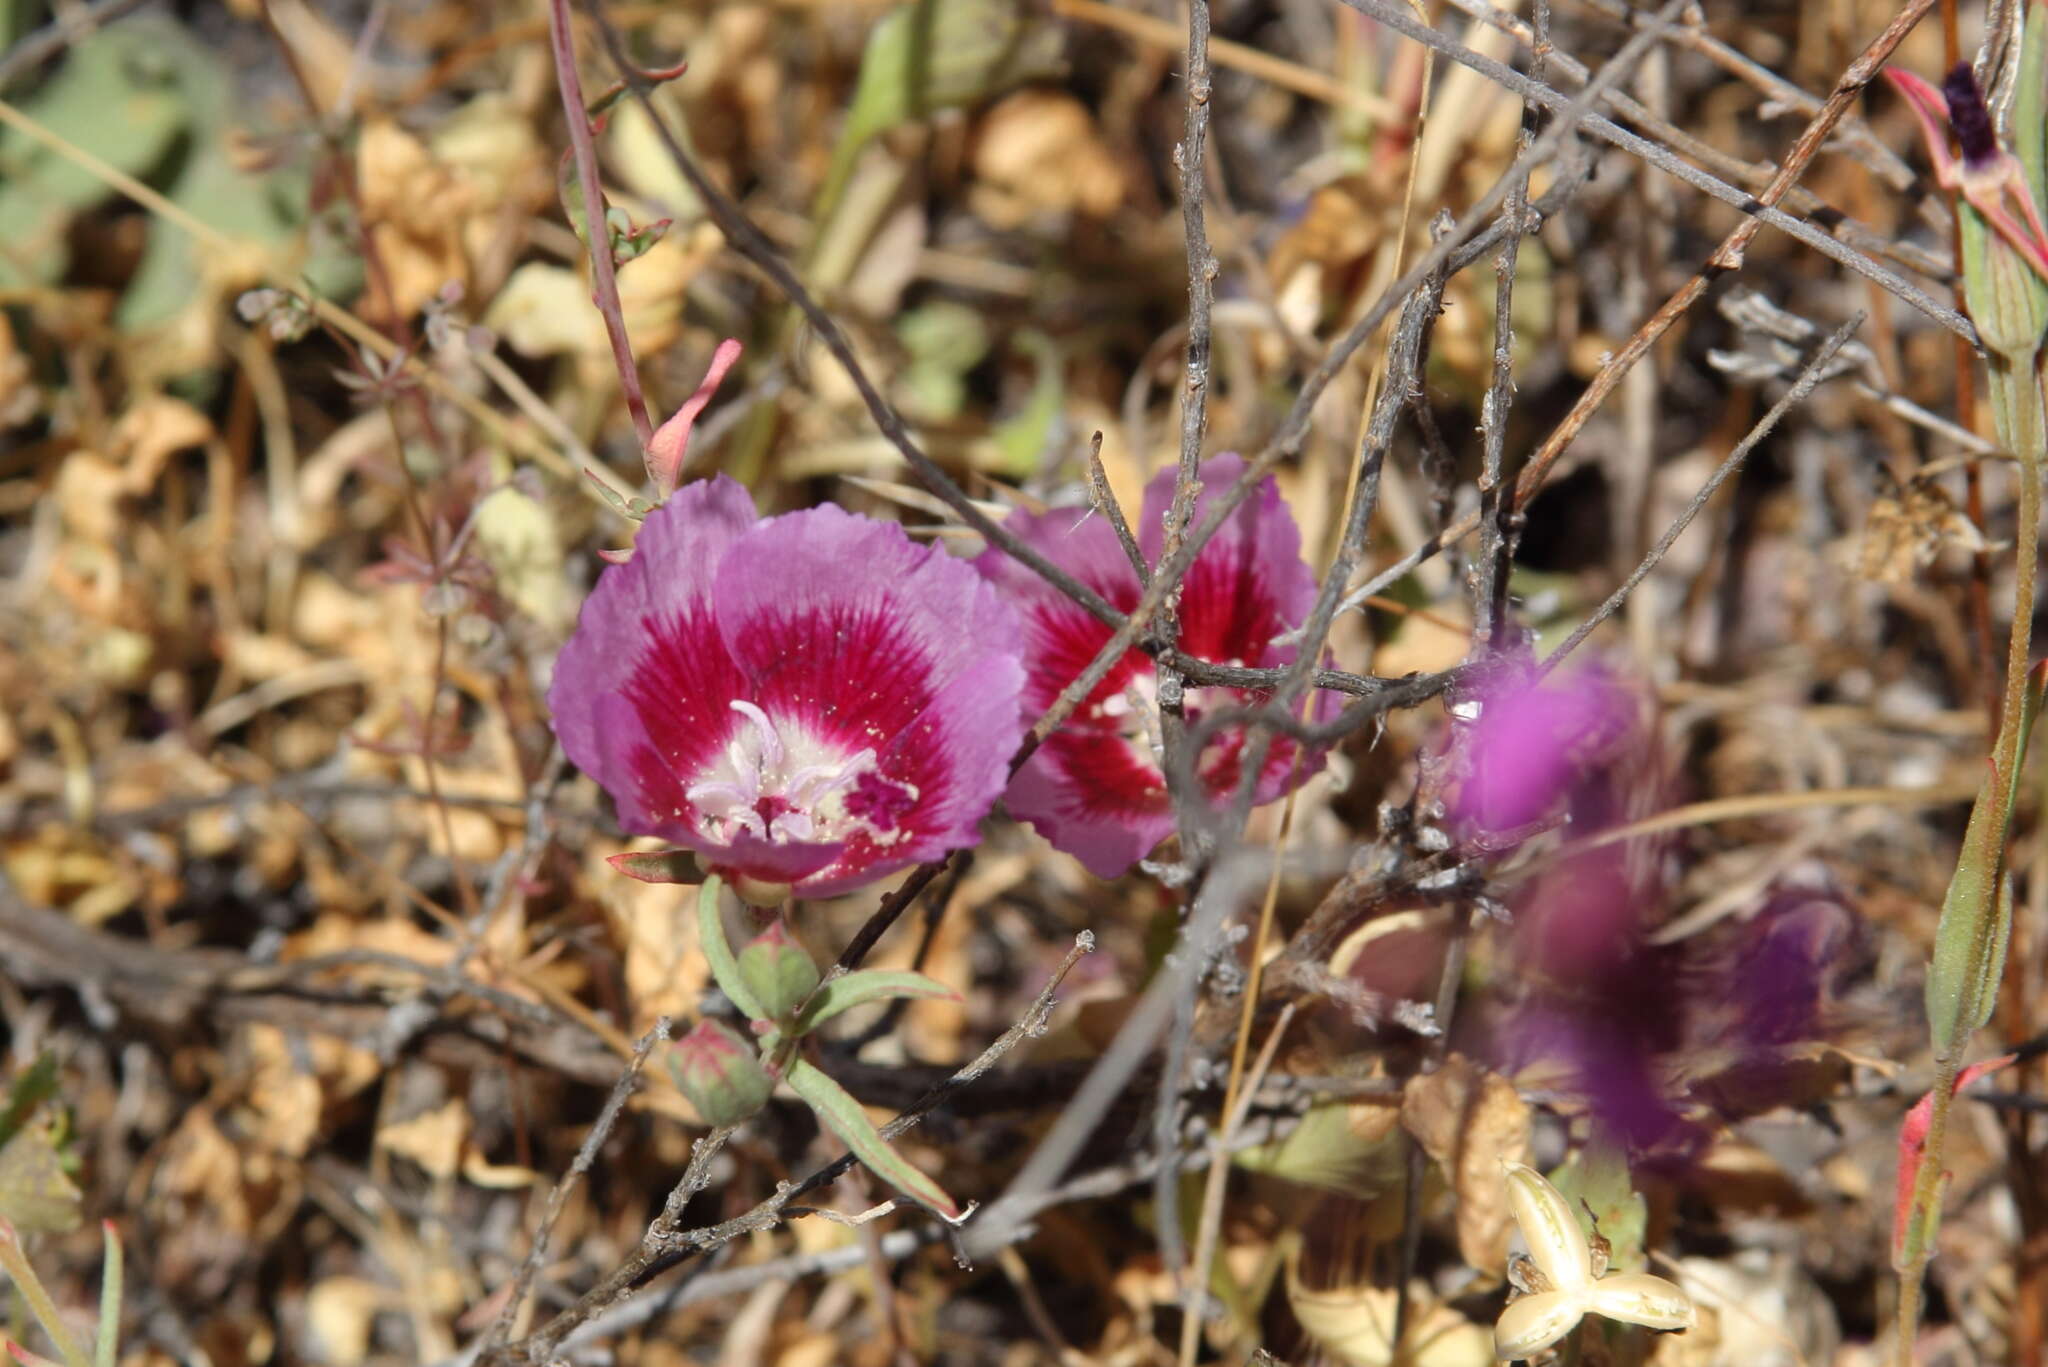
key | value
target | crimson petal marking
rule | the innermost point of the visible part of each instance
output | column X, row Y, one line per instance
column 855, row 627
column 1248, row 584
column 1091, row 796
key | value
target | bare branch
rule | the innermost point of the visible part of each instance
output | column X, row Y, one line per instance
column 1815, row 370
column 585, row 1156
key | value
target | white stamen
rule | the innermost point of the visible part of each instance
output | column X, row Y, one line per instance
column 782, row 785
column 771, row 743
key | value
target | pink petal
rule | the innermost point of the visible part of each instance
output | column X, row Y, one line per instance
column 1090, row 793
column 1249, row 584
column 640, row 691
column 1092, row 790
column 765, row 861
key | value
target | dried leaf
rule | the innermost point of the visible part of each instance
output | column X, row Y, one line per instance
column 433, row 1139
column 1355, row 1325
column 1470, row 1121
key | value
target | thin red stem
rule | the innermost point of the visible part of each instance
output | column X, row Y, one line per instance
column 604, row 277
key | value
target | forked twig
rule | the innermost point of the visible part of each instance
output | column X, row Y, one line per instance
column 559, row 1197
column 1811, row 376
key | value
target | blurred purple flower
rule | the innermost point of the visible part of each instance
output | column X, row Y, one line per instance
column 807, row 700
column 1095, row 788
column 1669, row 1044
column 1532, row 741
column 1664, row 1045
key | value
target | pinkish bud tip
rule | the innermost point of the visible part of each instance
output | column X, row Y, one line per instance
column 670, row 445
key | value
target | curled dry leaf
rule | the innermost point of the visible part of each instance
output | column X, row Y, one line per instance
column 1355, row 1325
column 1039, row 152
column 1469, row 1119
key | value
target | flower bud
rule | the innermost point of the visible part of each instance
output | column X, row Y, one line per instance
column 777, row 971
column 720, row 1074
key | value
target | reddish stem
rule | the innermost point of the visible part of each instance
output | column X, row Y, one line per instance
column 604, row 278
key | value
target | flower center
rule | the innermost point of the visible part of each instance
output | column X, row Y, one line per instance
column 783, row 785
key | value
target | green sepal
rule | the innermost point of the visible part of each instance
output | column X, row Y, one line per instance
column 2007, row 298
column 657, row 866
column 725, row 970
column 777, row 970
column 720, row 1073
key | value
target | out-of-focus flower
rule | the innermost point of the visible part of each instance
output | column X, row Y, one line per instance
column 1532, row 742
column 808, row 701
column 1663, row 1044
column 1095, row 788
column 1566, row 1281
column 1667, row 1045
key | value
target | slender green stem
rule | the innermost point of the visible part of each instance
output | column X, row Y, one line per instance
column 2022, row 429
column 45, row 1310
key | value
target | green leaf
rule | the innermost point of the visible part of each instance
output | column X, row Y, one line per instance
column 1024, row 438
column 28, row 1091
column 841, row 1114
column 1596, row 1180
column 869, row 985
column 1353, row 1148
column 940, row 54
column 36, row 1194
column 2030, row 106
column 1976, row 915
column 725, row 969
column 117, row 96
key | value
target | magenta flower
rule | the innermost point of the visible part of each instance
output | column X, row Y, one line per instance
column 1095, row 788
column 807, row 700
column 1533, row 743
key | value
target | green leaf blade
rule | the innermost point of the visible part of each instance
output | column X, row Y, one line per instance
column 841, row 1114
column 849, row 990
